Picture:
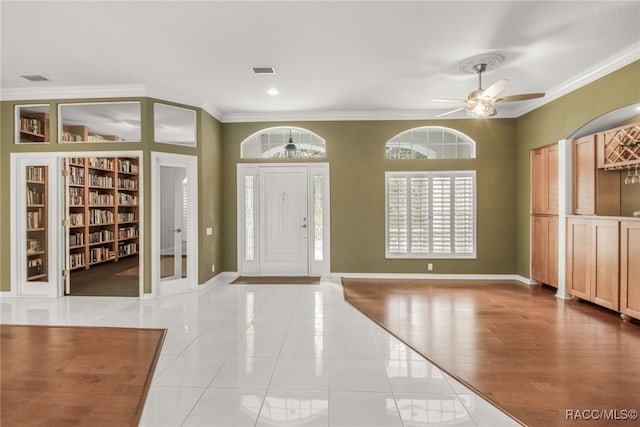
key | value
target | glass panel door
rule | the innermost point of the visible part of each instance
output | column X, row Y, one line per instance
column 37, row 223
column 174, row 213
column 174, row 222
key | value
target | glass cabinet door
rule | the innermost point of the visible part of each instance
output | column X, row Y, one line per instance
column 37, row 224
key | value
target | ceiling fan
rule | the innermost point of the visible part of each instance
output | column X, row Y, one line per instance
column 481, row 102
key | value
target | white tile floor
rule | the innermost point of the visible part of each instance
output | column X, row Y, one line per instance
column 239, row 355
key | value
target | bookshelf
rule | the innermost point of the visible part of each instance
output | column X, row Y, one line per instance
column 32, row 124
column 103, row 209
column 37, row 224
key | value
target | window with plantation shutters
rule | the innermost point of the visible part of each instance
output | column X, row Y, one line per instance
column 431, row 214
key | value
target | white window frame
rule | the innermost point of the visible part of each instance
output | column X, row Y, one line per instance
column 430, row 254
column 280, row 135
column 420, row 140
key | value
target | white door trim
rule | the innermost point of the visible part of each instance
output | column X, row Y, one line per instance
column 56, row 215
column 159, row 159
column 248, row 258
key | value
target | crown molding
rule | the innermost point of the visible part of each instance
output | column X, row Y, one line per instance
column 107, row 91
column 70, row 92
column 324, row 116
column 597, row 71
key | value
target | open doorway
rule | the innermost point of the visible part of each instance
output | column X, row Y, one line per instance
column 102, row 226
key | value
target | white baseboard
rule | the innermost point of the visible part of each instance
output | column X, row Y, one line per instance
column 222, row 278
column 7, row 294
column 435, row 276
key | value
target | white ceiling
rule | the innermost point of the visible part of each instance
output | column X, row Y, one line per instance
column 334, row 59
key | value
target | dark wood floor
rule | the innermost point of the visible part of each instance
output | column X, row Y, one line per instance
column 111, row 279
column 75, row 376
column 529, row 353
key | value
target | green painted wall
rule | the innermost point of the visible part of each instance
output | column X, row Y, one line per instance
column 558, row 120
column 356, row 154
column 208, row 153
column 210, row 197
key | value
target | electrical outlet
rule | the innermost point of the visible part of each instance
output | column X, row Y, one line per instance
column 209, row 231
column 430, row 267
column 213, row 268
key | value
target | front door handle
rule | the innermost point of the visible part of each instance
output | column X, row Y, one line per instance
column 178, row 230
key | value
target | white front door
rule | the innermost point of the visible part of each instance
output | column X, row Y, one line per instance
column 283, row 222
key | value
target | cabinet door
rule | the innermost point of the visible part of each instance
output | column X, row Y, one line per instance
column 579, row 257
column 551, row 199
column 552, row 251
column 605, row 270
column 539, row 251
column 544, row 249
column 538, row 164
column 584, row 176
column 630, row 268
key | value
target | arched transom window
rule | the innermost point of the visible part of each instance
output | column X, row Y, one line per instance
column 283, row 142
column 431, row 142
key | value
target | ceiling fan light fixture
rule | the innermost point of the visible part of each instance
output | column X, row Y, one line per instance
column 480, row 107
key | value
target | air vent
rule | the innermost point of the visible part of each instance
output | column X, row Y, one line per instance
column 35, row 78
column 263, row 70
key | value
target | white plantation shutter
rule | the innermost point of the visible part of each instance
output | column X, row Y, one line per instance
column 431, row 214
column 397, row 221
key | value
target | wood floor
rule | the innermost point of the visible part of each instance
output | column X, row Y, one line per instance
column 111, row 279
column 531, row 354
column 75, row 376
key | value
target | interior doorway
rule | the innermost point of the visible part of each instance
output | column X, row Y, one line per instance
column 174, row 240
column 102, row 211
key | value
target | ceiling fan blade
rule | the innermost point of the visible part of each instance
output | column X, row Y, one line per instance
column 448, row 100
column 494, row 89
column 520, row 97
column 450, row 112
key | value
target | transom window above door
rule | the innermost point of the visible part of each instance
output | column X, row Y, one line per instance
column 283, row 142
column 431, row 142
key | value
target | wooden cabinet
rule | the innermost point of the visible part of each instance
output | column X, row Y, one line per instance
column 544, row 180
column 544, row 209
column 605, row 263
column 593, row 260
column 630, row 268
column 103, row 209
column 544, row 249
column 595, row 191
column 37, row 224
column 578, row 269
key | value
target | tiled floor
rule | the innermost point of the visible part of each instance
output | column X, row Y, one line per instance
column 269, row 355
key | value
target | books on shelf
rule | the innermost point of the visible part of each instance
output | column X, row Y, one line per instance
column 76, row 260
column 34, row 219
column 36, row 173
column 35, row 196
column 97, row 198
column 100, row 216
column 100, row 180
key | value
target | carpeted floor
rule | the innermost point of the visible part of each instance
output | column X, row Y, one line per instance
column 276, row 280
column 75, row 376
column 531, row 354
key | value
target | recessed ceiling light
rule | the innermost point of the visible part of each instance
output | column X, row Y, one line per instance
column 273, row 91
column 35, row 77
column 264, row 70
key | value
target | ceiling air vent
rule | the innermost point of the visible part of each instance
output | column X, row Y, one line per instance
column 263, row 70
column 35, row 78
